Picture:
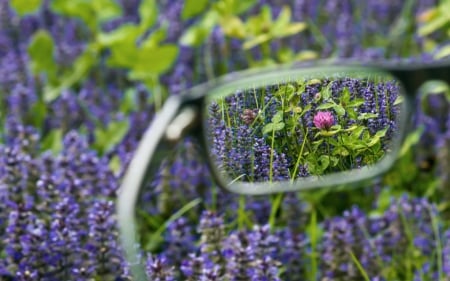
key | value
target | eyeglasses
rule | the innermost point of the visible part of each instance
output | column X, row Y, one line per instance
column 281, row 129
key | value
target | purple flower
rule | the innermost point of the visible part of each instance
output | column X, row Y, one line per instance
column 195, row 267
column 292, row 252
column 157, row 269
column 323, row 120
column 179, row 240
column 104, row 250
column 212, row 230
column 239, row 255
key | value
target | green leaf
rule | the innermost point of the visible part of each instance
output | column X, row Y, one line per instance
column 41, row 51
column 283, row 20
column 366, row 116
column 345, row 96
column 126, row 33
column 356, row 134
column 381, row 133
column 411, row 140
column 376, row 138
column 328, row 133
column 106, row 139
column 128, row 103
column 268, row 128
column 351, row 128
column 233, row 26
column 355, row 103
column 306, row 109
column 155, row 60
column 286, row 91
column 105, row 10
column 78, row 9
column 443, row 52
column 399, row 100
column 352, row 114
column 323, row 162
column 273, row 127
column 339, row 110
column 123, row 55
column 314, row 81
column 278, row 117
column 283, row 27
column 255, row 41
column 242, row 6
column 38, row 113
column 155, row 38
column 24, row 7
column 334, row 161
column 196, row 34
column 292, row 29
column 306, row 55
column 285, row 55
column 80, row 69
column 326, row 105
column 93, row 13
column 114, row 164
column 326, row 92
column 148, row 13
column 340, row 150
column 297, row 109
column 193, row 7
column 53, row 141
column 278, row 126
column 437, row 22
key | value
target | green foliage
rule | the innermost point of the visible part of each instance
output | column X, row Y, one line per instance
column 436, row 22
column 150, row 58
column 435, row 19
column 144, row 62
column 81, row 67
column 406, row 170
column 129, row 102
column 41, row 51
column 53, row 141
column 262, row 28
column 148, row 12
column 197, row 34
column 38, row 114
column 443, row 52
column 224, row 13
column 91, row 12
column 192, row 8
column 228, row 8
column 24, row 7
column 275, row 125
column 107, row 138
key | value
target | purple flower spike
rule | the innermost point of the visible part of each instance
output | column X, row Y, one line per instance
column 323, row 120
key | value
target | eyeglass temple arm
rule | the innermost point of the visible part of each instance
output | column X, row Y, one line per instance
column 134, row 179
column 414, row 78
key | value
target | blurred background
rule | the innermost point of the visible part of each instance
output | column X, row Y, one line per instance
column 80, row 81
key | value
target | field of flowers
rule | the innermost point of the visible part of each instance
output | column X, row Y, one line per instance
column 80, row 81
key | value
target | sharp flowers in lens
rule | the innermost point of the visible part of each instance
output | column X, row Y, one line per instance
column 323, row 120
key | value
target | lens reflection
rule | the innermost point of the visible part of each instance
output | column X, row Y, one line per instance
column 304, row 127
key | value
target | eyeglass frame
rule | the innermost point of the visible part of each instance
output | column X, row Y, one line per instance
column 183, row 114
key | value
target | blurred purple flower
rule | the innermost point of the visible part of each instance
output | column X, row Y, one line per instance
column 157, row 269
